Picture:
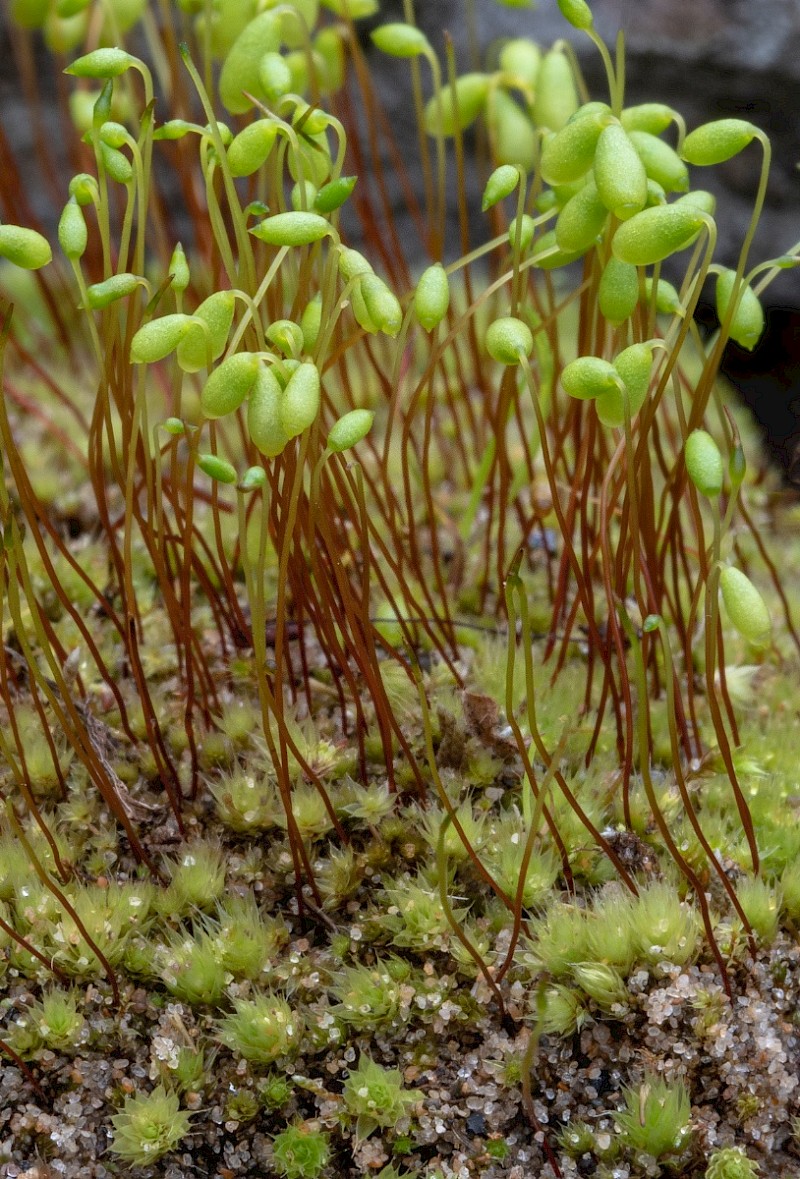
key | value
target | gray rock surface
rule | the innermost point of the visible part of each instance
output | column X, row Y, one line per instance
column 707, row 58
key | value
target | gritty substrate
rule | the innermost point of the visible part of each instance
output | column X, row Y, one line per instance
column 742, row 1071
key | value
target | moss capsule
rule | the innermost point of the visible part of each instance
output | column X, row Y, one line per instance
column 217, row 312
column 556, row 92
column 589, row 377
column 514, row 138
column 581, row 221
column 400, row 40
column 619, row 173
column 292, row 229
column 661, row 162
column 746, row 608
column 509, row 339
column 458, row 105
column 310, row 323
column 618, row 292
column 350, row 429
column 102, row 63
column 747, row 322
column 72, row 233
column 432, row 296
column 569, row 154
column 500, row 184
column 301, row 398
column 250, row 148
column 156, row 339
column 24, row 247
column 383, row 308
column 704, row 463
column 229, row 384
column 240, row 70
column 263, row 414
column 119, row 286
column 720, row 140
column 656, row 233
column 217, row 468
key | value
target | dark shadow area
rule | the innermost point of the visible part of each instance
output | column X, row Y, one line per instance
column 768, row 381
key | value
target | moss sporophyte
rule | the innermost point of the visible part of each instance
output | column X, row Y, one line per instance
column 384, row 621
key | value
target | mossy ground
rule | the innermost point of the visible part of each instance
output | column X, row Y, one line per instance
column 372, row 966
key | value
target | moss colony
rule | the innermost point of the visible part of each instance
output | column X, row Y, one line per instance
column 398, row 681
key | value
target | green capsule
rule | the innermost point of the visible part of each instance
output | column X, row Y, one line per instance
column 704, row 463
column 264, row 414
column 178, row 269
column 250, row 148
column 747, row 322
column 350, row 430
column 667, row 298
column 657, row 233
column 24, row 247
column 508, row 339
column 556, row 92
column 400, row 40
column 301, row 399
column 286, row 336
column 116, row 165
column 240, row 70
column 568, row 155
column 119, row 286
column 582, row 220
column 653, row 117
column 72, row 233
column 618, row 292
column 274, row 75
column 175, row 129
column 589, row 377
column 216, row 311
column 217, row 468
column 633, row 365
column 458, row 105
column 384, row 313
column 62, row 36
column 334, row 194
column 121, row 16
column 715, row 142
column 553, row 255
column 513, row 136
column 156, row 339
column 521, row 233
column 351, row 263
column 745, row 606
column 577, row 12
column 619, row 173
column 113, row 134
column 310, row 323
column 303, row 196
column 253, row 479
column 84, row 188
column 102, row 63
column 298, row 19
column 700, row 199
column 29, row 14
column 229, row 384
column 330, row 56
column 292, row 229
column 432, row 296
column 502, row 182
column 521, row 58
column 661, row 162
